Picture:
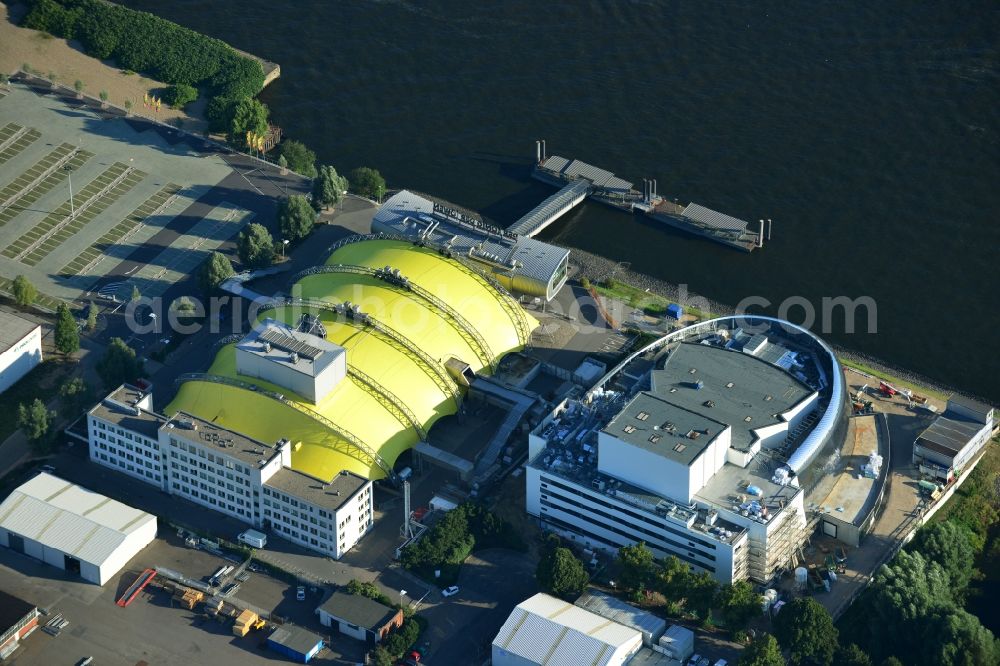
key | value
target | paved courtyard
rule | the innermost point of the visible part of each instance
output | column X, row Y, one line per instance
column 127, row 184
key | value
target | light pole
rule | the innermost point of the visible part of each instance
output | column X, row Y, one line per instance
column 69, row 175
column 284, row 242
column 402, row 593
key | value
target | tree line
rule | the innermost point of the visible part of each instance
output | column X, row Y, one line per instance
column 141, row 42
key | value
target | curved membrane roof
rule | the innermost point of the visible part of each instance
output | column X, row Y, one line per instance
column 351, row 406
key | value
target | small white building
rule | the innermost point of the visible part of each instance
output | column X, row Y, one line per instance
column 20, row 348
column 72, row 528
column 359, row 617
column 947, row 446
column 307, row 364
column 547, row 630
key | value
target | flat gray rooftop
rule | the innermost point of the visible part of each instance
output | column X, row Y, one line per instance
column 411, row 215
column 228, row 442
column 666, row 429
column 276, row 341
column 331, row 495
column 732, row 387
column 13, row 329
column 120, row 408
column 731, row 481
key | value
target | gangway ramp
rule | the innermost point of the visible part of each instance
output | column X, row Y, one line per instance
column 552, row 208
column 144, row 579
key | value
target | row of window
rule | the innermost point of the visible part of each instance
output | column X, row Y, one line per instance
column 125, row 466
column 658, row 524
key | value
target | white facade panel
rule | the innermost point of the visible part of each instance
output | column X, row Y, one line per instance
column 19, row 360
column 643, row 468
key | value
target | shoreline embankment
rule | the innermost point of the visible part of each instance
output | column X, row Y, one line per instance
column 597, row 268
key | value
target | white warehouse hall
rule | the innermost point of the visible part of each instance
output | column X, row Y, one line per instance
column 73, row 528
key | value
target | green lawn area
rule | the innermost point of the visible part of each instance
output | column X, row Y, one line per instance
column 895, row 381
column 43, row 382
column 652, row 304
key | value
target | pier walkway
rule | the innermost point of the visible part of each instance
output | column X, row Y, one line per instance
column 552, row 208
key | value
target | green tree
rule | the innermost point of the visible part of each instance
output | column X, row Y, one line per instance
column 700, row 591
column 956, row 638
column 119, row 364
column 949, row 544
column 670, row 579
column 904, row 593
column 35, row 419
column 52, row 79
column 78, row 86
column 283, row 164
column 382, row 657
column 220, row 112
column 249, row 115
column 104, row 97
column 367, row 182
column 24, row 292
column 738, row 604
column 978, row 513
column 216, row 270
column 328, row 188
column 763, row 651
column 92, row 312
column 851, row 655
column 180, row 95
column 136, row 294
column 635, row 566
column 67, row 336
column 75, row 395
column 295, row 217
column 805, row 629
column 300, row 159
column 560, row 573
column 128, row 106
column 255, row 246
column 369, row 590
column 891, row 661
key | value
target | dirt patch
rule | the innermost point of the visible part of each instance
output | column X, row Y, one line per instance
column 45, row 54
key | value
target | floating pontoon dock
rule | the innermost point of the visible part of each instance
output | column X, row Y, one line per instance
column 579, row 180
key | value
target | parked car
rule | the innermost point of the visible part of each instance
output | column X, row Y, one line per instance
column 694, row 660
column 300, row 593
column 449, row 591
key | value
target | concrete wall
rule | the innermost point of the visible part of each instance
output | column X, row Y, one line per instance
column 17, row 361
column 643, row 468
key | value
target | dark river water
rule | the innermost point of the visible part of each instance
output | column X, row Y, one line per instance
column 867, row 131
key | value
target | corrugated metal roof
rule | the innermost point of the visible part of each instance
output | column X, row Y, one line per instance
column 951, row 432
column 555, row 163
column 71, row 519
column 607, row 606
column 713, row 218
column 541, row 213
column 596, row 175
column 546, row 630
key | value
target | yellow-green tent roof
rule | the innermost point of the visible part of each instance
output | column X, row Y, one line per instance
column 353, row 406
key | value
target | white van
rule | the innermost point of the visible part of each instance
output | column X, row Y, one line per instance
column 253, row 538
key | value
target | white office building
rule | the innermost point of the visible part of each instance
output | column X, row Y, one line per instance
column 72, row 528
column 229, row 472
column 688, row 458
column 20, row 348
